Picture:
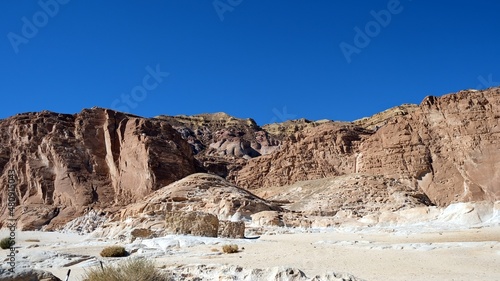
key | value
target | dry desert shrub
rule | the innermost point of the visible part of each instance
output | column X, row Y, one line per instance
column 32, row 240
column 129, row 270
column 114, row 251
column 230, row 249
column 6, row 242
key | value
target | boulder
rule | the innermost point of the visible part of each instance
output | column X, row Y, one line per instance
column 192, row 223
column 28, row 275
column 230, row 229
column 267, row 218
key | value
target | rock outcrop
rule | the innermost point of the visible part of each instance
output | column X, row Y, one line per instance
column 315, row 152
column 447, row 147
column 220, row 134
column 231, row 229
column 221, row 143
column 197, row 193
column 204, row 193
column 347, row 197
column 28, row 275
column 192, row 223
column 65, row 163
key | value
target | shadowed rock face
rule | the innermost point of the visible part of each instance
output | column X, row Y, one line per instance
column 219, row 134
column 98, row 157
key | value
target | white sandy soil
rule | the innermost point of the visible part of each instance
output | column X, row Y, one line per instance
column 371, row 254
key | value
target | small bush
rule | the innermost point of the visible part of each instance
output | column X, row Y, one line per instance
column 6, row 243
column 114, row 251
column 230, row 249
column 129, row 270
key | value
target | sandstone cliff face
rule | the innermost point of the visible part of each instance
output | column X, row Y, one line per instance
column 446, row 148
column 98, row 157
column 449, row 147
column 314, row 152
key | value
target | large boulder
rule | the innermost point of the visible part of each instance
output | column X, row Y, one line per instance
column 232, row 229
column 28, row 275
column 192, row 223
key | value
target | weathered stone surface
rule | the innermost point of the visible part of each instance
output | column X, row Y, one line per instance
column 341, row 198
column 267, row 218
column 201, row 192
column 315, row 152
column 97, row 157
column 448, row 147
column 232, row 229
column 233, row 272
column 192, row 223
column 380, row 119
column 28, row 275
column 220, row 134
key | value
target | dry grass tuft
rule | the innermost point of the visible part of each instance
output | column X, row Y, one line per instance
column 230, row 249
column 114, row 251
column 128, row 270
column 32, row 240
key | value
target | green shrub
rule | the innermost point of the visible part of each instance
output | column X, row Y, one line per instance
column 114, row 251
column 128, row 270
column 230, row 249
column 6, row 243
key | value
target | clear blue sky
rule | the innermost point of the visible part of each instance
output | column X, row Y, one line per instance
column 269, row 60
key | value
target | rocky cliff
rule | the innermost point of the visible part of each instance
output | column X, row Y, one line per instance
column 98, row 157
column 448, row 147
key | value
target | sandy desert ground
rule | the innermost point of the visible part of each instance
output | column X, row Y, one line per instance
column 370, row 254
column 460, row 242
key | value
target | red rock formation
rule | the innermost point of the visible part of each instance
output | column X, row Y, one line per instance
column 98, row 157
column 449, row 147
column 314, row 152
column 446, row 147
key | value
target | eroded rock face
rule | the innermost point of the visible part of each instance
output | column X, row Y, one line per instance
column 347, row 197
column 98, row 157
column 201, row 192
column 315, row 152
column 448, row 147
column 222, row 135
